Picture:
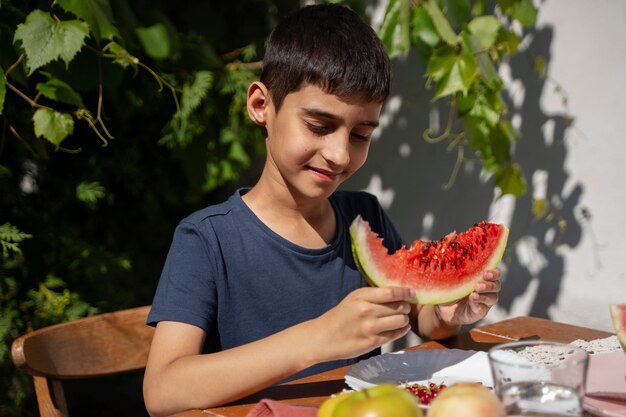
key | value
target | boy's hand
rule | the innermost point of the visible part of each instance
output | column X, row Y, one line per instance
column 475, row 306
column 367, row 318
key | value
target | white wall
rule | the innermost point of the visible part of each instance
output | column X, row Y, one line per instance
column 578, row 168
column 589, row 60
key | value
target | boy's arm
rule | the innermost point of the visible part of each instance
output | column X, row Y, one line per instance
column 179, row 377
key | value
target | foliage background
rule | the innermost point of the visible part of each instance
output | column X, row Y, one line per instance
column 105, row 146
column 99, row 222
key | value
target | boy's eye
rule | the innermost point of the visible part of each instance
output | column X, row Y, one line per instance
column 360, row 137
column 318, row 129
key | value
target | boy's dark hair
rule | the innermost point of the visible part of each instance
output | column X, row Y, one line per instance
column 328, row 46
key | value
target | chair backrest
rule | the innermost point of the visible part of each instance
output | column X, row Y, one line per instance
column 100, row 345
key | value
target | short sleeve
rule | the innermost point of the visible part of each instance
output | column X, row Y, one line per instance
column 186, row 291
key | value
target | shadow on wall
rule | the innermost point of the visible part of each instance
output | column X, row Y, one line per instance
column 542, row 153
column 408, row 174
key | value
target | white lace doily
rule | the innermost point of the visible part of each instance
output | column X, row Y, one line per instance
column 608, row 344
column 550, row 356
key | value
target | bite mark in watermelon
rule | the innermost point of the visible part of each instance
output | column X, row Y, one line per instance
column 439, row 271
column 618, row 315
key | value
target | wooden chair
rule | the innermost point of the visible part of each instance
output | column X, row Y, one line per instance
column 100, row 345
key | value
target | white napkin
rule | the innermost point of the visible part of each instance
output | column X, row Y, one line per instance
column 475, row 369
column 357, row 384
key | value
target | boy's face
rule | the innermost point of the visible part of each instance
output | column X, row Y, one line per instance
column 316, row 141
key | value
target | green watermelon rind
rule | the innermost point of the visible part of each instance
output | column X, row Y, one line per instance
column 618, row 316
column 359, row 231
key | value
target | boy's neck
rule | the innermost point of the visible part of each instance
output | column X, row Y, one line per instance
column 306, row 222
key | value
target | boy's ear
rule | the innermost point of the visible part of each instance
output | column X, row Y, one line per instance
column 258, row 102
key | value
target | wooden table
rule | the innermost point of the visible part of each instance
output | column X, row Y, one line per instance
column 313, row 390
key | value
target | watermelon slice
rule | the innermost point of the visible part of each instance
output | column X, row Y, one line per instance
column 440, row 271
column 618, row 315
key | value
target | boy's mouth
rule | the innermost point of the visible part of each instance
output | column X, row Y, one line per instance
column 329, row 175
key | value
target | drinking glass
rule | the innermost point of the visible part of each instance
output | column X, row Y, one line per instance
column 539, row 378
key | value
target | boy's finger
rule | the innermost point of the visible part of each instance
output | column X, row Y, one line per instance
column 391, row 294
column 398, row 307
column 487, row 286
column 491, row 275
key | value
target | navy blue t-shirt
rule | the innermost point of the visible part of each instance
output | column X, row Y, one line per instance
column 231, row 275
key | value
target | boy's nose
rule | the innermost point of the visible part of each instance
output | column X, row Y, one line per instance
column 336, row 150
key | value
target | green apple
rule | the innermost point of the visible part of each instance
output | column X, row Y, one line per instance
column 328, row 407
column 385, row 400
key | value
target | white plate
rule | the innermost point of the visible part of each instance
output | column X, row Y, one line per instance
column 411, row 366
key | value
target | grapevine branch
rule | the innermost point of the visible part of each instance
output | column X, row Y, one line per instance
column 30, row 101
column 100, row 105
column 456, row 141
column 80, row 113
column 15, row 64
column 160, row 80
column 457, row 165
column 17, row 135
column 447, row 130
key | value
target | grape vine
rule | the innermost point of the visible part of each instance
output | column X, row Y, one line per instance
column 463, row 45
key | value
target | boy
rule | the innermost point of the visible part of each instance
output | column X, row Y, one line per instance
column 263, row 287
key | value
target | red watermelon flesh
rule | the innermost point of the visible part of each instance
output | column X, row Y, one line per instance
column 618, row 315
column 440, row 271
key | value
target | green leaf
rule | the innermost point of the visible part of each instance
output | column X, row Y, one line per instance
column 524, row 11
column 248, row 53
column 10, row 237
column 441, row 23
column 478, row 8
column 53, row 125
column 3, row 89
column 194, row 94
column 487, row 69
column 389, row 24
column 394, row 31
column 90, row 192
column 405, row 26
column 121, row 55
column 540, row 208
column 465, row 104
column 488, row 72
column 155, row 41
column 453, row 73
column 507, row 129
column 484, row 111
column 238, row 153
column 485, row 29
column 541, row 66
column 507, row 41
column 55, row 89
column 505, row 5
column 180, row 128
column 456, row 11
column 510, row 180
column 441, row 62
column 45, row 40
column 97, row 13
column 4, row 171
column 54, row 282
column 481, row 141
column 501, row 143
column 423, row 28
